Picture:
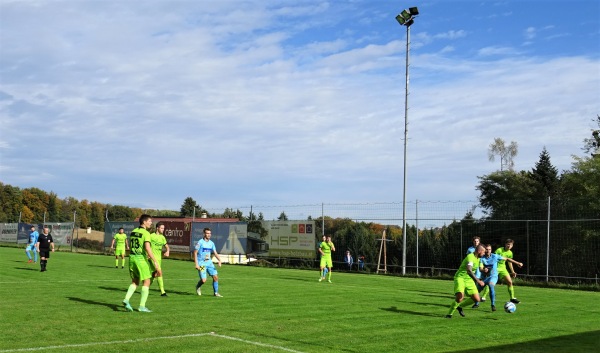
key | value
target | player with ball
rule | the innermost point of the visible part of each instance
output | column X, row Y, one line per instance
column 489, row 267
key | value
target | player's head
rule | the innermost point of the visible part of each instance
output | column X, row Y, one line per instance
column 479, row 250
column 508, row 244
column 46, row 229
column 328, row 238
column 207, row 233
column 121, row 230
column 476, row 240
column 324, row 237
column 160, row 227
column 32, row 227
column 488, row 250
column 145, row 220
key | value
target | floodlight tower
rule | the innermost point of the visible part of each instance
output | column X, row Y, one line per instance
column 406, row 18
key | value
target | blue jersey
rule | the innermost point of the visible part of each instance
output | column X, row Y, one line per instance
column 205, row 249
column 491, row 263
column 470, row 250
column 33, row 237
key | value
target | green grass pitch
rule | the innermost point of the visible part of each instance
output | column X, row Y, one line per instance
column 76, row 307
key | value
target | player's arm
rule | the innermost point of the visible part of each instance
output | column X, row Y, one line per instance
column 332, row 246
column 520, row 264
column 126, row 244
column 148, row 248
column 112, row 244
column 511, row 269
column 321, row 252
column 37, row 246
column 168, row 250
column 217, row 256
column 472, row 274
column 196, row 259
column 52, row 243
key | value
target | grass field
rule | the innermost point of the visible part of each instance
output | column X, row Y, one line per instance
column 76, row 307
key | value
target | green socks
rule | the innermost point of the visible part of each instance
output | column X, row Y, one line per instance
column 161, row 286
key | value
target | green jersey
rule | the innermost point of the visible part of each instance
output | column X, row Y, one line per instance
column 120, row 240
column 503, row 253
column 157, row 241
column 137, row 238
column 462, row 270
column 326, row 248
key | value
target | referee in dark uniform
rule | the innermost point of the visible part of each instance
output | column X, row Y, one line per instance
column 44, row 244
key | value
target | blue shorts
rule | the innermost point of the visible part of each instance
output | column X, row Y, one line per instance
column 492, row 280
column 207, row 267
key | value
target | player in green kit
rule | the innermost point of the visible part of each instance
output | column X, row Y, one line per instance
column 503, row 273
column 139, row 241
column 157, row 241
column 464, row 282
column 325, row 248
column 121, row 239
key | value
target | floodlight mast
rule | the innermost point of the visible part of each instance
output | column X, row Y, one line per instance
column 406, row 18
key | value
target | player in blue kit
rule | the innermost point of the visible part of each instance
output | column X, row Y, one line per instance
column 489, row 266
column 33, row 238
column 203, row 252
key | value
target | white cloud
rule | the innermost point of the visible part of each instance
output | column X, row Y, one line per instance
column 234, row 104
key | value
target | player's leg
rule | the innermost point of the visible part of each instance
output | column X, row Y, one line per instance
column 145, row 276
column 35, row 254
column 459, row 287
column 322, row 267
column 202, row 275
column 212, row 271
column 472, row 293
column 484, row 294
column 492, row 288
column 159, row 279
column 27, row 252
column 329, row 268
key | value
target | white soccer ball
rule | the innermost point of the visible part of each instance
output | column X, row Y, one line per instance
column 510, row 307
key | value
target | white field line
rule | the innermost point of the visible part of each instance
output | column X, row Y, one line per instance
column 66, row 346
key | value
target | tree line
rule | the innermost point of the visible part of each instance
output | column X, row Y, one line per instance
column 514, row 204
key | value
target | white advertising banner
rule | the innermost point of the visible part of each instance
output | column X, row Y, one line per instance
column 8, row 232
column 291, row 238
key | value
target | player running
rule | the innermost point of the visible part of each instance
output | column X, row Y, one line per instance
column 203, row 252
column 489, row 266
column 502, row 269
column 465, row 282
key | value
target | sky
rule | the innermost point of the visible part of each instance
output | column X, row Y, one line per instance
column 271, row 102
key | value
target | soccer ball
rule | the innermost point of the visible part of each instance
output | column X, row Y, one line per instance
column 510, row 307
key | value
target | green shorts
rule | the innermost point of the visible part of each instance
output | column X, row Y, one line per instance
column 503, row 272
column 119, row 251
column 151, row 264
column 326, row 261
column 138, row 268
column 465, row 285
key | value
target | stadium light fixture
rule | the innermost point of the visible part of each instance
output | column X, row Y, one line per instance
column 406, row 18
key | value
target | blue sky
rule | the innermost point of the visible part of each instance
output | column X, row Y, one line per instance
column 238, row 103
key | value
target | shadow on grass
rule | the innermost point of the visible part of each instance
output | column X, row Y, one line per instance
column 301, row 279
column 106, row 266
column 114, row 307
column 28, row 268
column 152, row 291
column 575, row 343
column 394, row 309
